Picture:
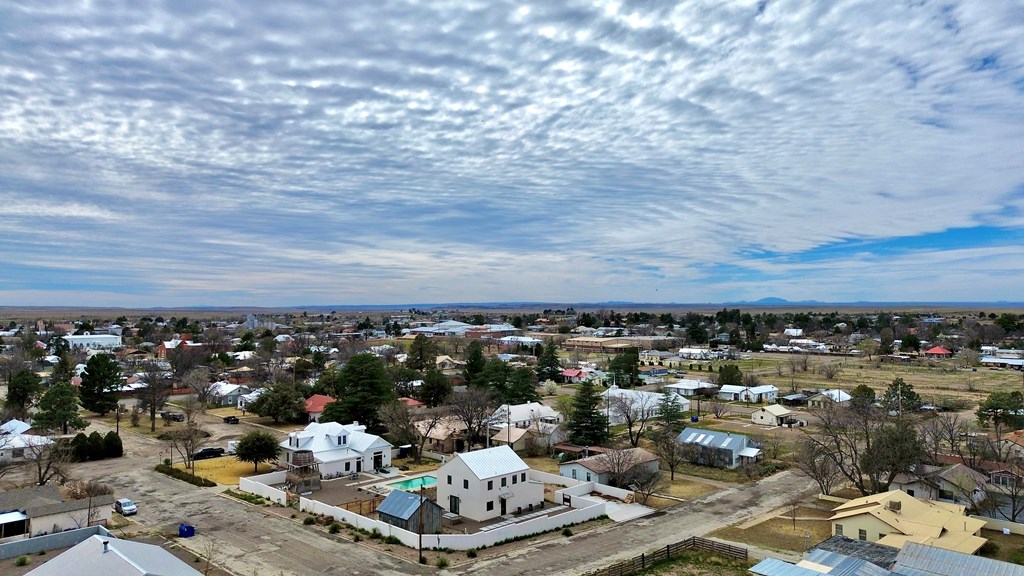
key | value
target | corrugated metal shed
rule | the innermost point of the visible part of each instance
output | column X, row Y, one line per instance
column 776, row 567
column 920, row 560
column 400, row 504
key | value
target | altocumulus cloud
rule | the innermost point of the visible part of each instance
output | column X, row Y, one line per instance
column 271, row 153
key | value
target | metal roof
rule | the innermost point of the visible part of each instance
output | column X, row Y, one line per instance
column 843, row 565
column 920, row 560
column 726, row 440
column 123, row 558
column 400, row 504
column 492, row 462
column 776, row 567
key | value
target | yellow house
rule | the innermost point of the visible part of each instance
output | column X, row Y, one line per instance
column 894, row 518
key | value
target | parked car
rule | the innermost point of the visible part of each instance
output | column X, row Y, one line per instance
column 175, row 416
column 208, row 452
column 125, row 507
column 231, row 419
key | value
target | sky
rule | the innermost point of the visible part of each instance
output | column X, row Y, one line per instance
column 250, row 153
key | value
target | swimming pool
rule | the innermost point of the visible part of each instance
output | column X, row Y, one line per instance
column 413, row 484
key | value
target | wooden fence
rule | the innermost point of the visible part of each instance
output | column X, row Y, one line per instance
column 362, row 507
column 649, row 559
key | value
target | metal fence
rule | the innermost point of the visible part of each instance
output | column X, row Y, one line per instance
column 649, row 559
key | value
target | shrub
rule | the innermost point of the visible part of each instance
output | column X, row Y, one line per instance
column 356, row 537
column 184, row 476
column 334, row 528
column 167, row 461
column 471, row 553
column 80, row 447
column 442, row 562
column 21, row 561
column 97, row 450
column 566, row 531
column 112, row 446
column 375, row 534
column 391, row 540
column 989, row 549
column 309, row 521
column 423, row 559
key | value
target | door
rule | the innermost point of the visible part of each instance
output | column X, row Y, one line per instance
column 378, row 461
column 503, row 502
column 453, row 504
column 359, row 465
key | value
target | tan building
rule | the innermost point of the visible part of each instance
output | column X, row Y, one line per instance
column 894, row 518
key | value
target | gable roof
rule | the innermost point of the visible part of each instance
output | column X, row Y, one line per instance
column 491, row 462
column 835, row 395
column 14, row 426
column 316, row 403
column 401, row 504
column 602, row 463
column 122, row 558
column 713, row 438
column 777, row 410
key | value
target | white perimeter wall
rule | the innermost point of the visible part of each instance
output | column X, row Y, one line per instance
column 260, row 486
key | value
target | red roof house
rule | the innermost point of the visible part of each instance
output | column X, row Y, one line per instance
column 938, row 352
column 316, row 404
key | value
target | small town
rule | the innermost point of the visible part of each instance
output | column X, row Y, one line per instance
column 557, row 441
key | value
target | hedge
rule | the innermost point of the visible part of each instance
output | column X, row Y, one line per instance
column 184, row 476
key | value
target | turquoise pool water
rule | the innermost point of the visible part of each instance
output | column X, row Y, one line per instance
column 414, row 484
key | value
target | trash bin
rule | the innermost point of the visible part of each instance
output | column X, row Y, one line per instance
column 694, row 418
column 186, row 530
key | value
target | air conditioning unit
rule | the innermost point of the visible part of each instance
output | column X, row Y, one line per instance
column 893, row 505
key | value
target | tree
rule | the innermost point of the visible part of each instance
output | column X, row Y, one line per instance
column 58, row 409
column 473, row 407
column 397, row 418
column 548, row 367
column 185, row 358
column 730, row 374
column 588, row 425
column 153, row 396
column 718, row 408
column 189, row 438
column 635, row 411
column 422, row 354
column 435, row 388
column 112, row 446
column 100, row 382
column 669, row 450
column 645, row 482
column 22, row 390
column 862, row 397
column 900, row 397
column 494, row 377
column 671, row 413
column 63, row 371
column 282, row 400
column 48, row 460
column 625, row 367
column 830, row 370
column 86, row 490
column 364, row 387
column 198, row 381
column 475, row 362
column 885, row 341
column 910, row 342
column 257, row 446
column 521, row 387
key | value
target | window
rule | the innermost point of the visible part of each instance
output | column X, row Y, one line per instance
column 449, row 479
column 515, row 479
column 490, row 505
column 839, row 529
column 465, row 483
column 504, row 482
column 910, row 492
column 490, row 484
column 522, row 478
column 348, row 466
column 573, row 473
column 862, row 534
column 588, row 476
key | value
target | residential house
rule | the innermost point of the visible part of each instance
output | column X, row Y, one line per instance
column 954, row 483
column 517, row 438
column 719, row 449
column 446, row 363
column 226, row 393
column 90, row 341
column 38, row 510
column 574, row 375
column 616, row 401
column 938, row 352
column 609, row 467
column 485, row 484
column 16, row 443
column 765, row 394
column 793, row 332
column 411, row 512
column 167, row 346
column 772, row 415
column 524, row 415
column 690, row 388
column 338, row 448
column 795, row 399
column 315, row 406
column 895, row 518
column 245, row 399
column 827, row 398
column 106, row 556
column 445, row 436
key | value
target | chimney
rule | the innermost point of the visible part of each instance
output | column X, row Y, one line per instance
column 106, row 546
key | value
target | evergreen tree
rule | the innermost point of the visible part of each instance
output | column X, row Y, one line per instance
column 364, row 387
column 548, row 367
column 112, row 446
column 281, row 401
column 58, row 409
column 435, row 388
column 100, row 382
column 625, row 366
column 63, row 371
column 475, row 362
column 901, row 397
column 588, row 425
column 730, row 374
column 495, row 377
column 422, row 354
column 60, row 346
column 95, row 447
column 862, row 397
column 673, row 420
column 22, row 390
column 522, row 387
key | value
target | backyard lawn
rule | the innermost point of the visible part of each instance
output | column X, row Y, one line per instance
column 779, row 534
column 226, row 470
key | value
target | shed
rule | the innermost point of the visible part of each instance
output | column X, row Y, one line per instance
column 407, row 511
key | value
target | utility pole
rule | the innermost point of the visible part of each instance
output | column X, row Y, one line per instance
column 420, row 511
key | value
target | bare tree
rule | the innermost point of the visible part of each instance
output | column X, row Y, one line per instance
column 198, row 381
column 750, row 380
column 82, row 490
column 185, row 358
column 433, row 419
column 636, row 410
column 645, row 482
column 48, row 461
column 474, row 407
column 1006, row 492
column 189, row 438
column 968, row 357
column 771, row 444
column 812, row 460
column 718, row 408
column 398, row 419
column 830, row 370
column 670, row 451
column 154, row 395
column 7, row 465
column 619, row 464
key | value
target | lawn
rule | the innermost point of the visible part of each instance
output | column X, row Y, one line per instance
column 779, row 534
column 425, row 465
column 1009, row 545
column 226, row 470
column 687, row 489
column 543, row 464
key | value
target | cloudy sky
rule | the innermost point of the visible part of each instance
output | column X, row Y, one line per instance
column 291, row 153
